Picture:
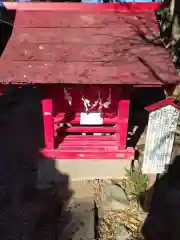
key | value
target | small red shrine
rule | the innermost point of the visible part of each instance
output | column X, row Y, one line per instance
column 86, row 59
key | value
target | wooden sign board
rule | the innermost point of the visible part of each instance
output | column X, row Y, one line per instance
column 160, row 138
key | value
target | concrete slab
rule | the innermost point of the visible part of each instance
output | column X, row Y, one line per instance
column 93, row 169
column 58, row 170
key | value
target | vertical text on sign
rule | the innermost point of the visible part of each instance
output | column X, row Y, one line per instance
column 159, row 140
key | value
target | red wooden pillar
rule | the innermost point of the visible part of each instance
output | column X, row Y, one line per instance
column 47, row 110
column 123, row 118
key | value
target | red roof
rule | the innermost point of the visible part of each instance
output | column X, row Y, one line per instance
column 85, row 43
column 161, row 104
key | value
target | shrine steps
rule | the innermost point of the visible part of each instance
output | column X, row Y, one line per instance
column 88, row 147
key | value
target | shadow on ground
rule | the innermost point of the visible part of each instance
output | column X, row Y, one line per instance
column 163, row 220
column 27, row 210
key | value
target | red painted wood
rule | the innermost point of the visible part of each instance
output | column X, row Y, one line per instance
column 89, row 138
column 82, row 53
column 88, row 148
column 97, row 35
column 97, row 44
column 49, row 6
column 47, row 111
column 47, row 72
column 59, row 154
column 123, row 118
column 160, row 104
column 85, row 146
column 43, row 39
column 85, row 140
column 60, row 118
column 82, row 143
column 90, row 129
column 89, row 20
column 92, row 146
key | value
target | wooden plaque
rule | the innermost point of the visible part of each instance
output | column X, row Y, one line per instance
column 159, row 140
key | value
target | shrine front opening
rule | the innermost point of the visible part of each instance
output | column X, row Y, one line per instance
column 86, row 121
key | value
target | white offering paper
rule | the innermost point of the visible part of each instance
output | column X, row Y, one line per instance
column 92, row 118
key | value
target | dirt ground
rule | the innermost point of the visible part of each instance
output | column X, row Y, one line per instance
column 21, row 137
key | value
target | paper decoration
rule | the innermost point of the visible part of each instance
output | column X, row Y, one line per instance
column 92, row 118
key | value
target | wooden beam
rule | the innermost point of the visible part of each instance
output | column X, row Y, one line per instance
column 123, row 118
column 47, row 110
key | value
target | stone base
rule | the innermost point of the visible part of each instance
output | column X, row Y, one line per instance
column 50, row 171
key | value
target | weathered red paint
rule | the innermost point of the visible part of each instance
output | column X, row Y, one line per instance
column 49, row 6
column 60, row 119
column 47, row 111
column 89, row 154
column 86, row 43
column 90, row 130
column 160, row 104
column 122, row 124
